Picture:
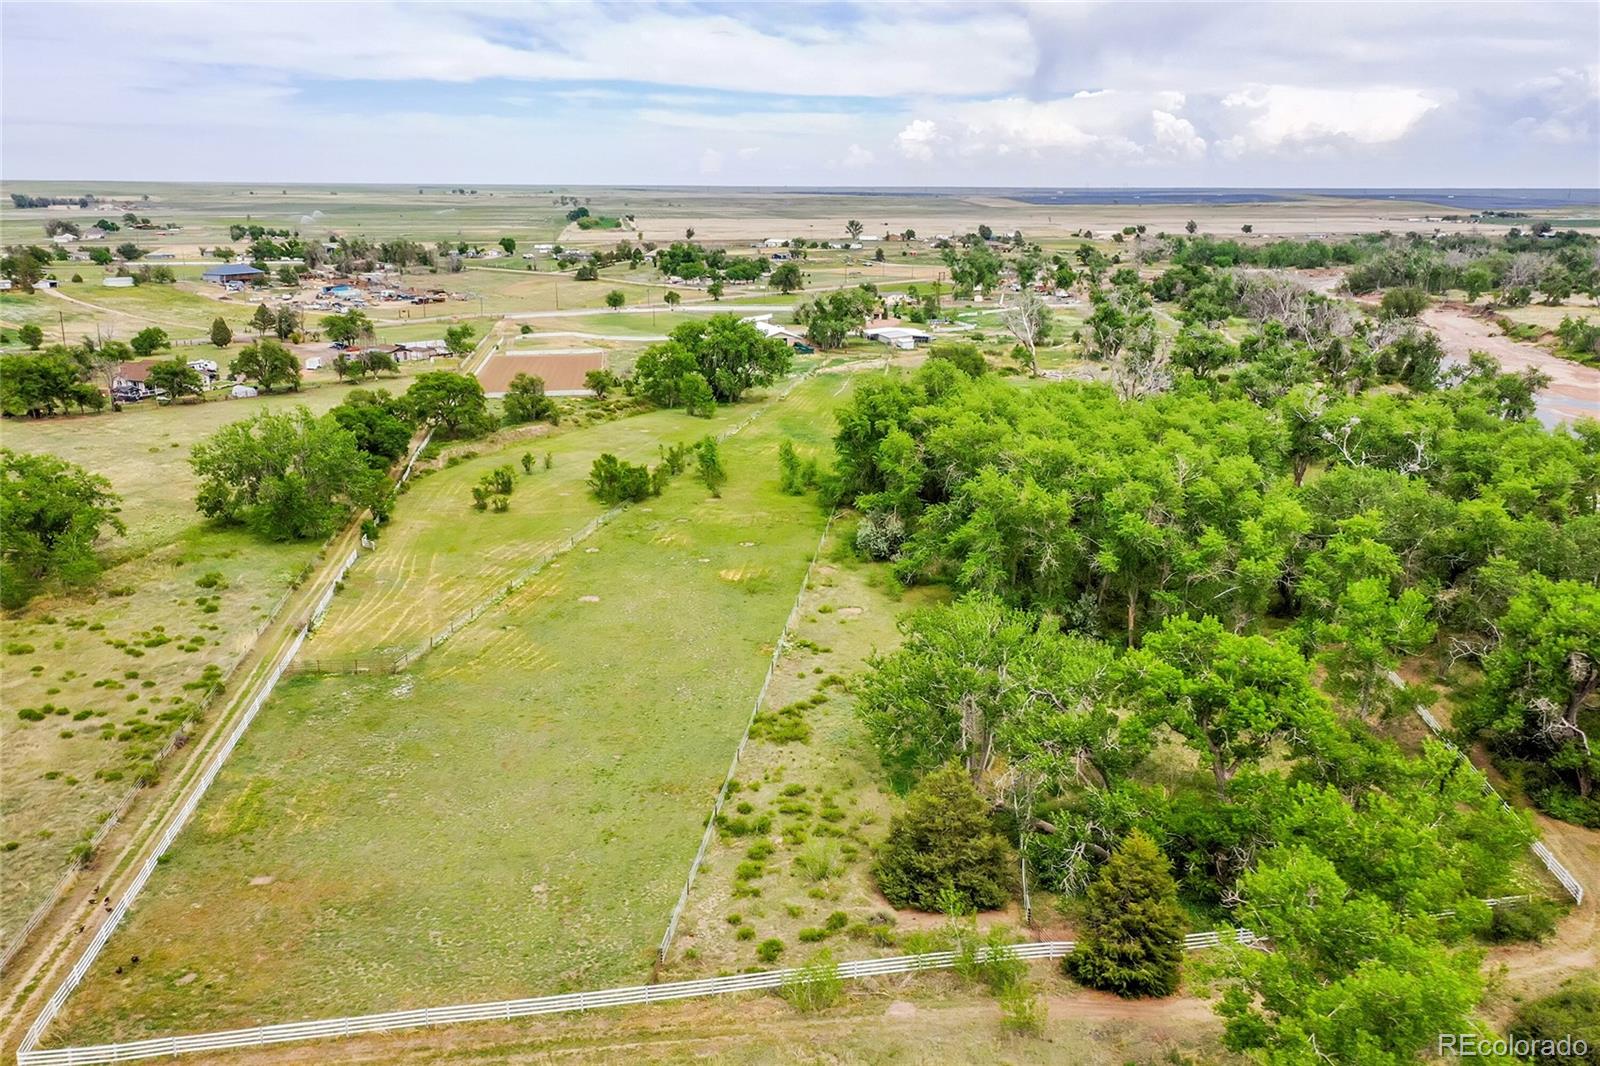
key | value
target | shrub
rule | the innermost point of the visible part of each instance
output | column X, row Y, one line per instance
column 745, row 932
column 1572, row 1011
column 819, row 861
column 1133, row 942
column 944, row 843
column 616, row 481
column 815, row 986
column 1534, row 920
column 769, row 950
column 1021, row 1010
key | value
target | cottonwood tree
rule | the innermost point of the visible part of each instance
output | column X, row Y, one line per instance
column 176, row 378
column 452, row 402
column 525, row 401
column 977, row 681
column 54, row 514
column 732, row 356
column 149, row 340
column 284, row 476
column 1231, row 698
column 1028, row 319
column 1368, row 634
column 1348, row 979
column 267, row 363
column 1541, row 689
column 458, row 339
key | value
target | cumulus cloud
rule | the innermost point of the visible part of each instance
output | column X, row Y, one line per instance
column 918, row 139
column 1102, row 125
column 1291, row 116
column 1560, row 108
column 857, row 157
column 1162, row 93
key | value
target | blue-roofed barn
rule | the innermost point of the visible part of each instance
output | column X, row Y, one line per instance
column 226, row 272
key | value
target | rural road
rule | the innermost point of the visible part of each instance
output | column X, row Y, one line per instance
column 1574, row 389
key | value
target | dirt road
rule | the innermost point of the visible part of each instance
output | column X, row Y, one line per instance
column 1574, row 389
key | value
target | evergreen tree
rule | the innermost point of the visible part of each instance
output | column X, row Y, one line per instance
column 221, row 335
column 1133, row 945
column 942, row 843
column 263, row 319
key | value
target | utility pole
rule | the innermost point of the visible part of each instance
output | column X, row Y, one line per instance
column 63, row 317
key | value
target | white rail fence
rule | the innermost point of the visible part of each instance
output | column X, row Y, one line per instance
column 738, row 752
column 179, row 819
column 1542, row 851
column 506, row 1010
column 179, row 738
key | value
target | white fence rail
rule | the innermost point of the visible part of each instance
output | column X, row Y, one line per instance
column 179, row 819
column 1542, row 851
column 113, row 818
column 505, row 1010
column 738, row 752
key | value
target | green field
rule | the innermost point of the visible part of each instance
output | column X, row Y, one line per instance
column 825, row 793
column 431, row 570
column 471, row 828
column 109, row 665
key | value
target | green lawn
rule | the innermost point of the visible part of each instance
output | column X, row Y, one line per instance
column 512, row 816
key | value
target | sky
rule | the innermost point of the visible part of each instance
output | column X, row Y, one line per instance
column 959, row 94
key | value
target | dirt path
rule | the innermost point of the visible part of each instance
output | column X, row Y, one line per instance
column 114, row 312
column 1574, row 389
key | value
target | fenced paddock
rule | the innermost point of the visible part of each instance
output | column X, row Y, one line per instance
column 563, row 374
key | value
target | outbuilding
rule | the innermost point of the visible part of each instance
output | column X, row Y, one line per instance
column 226, row 273
column 124, row 281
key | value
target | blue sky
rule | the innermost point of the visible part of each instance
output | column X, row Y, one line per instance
column 836, row 94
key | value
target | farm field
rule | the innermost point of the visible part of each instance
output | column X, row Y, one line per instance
column 115, row 670
column 439, row 557
column 522, row 751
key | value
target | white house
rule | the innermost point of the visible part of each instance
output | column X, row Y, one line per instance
column 772, row 242
column 64, row 238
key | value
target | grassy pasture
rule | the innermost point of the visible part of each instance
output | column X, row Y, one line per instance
column 514, row 815
column 440, row 557
column 147, row 615
column 824, row 792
